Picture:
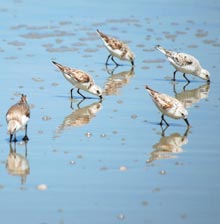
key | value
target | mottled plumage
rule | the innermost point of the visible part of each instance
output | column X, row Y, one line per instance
column 80, row 79
column 168, row 106
column 17, row 117
column 185, row 63
column 117, row 49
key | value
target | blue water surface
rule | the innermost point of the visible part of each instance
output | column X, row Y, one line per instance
column 109, row 161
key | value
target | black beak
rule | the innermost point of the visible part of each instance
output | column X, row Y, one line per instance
column 100, row 97
column 132, row 63
column 187, row 122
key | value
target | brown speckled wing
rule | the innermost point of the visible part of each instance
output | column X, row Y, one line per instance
column 181, row 60
column 115, row 44
column 81, row 76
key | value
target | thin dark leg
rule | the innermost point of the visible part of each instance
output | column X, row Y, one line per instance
column 114, row 61
column 162, row 119
column 106, row 63
column 15, row 139
column 81, row 94
column 174, row 75
column 71, row 93
column 184, row 75
column 11, row 135
column 25, row 138
column 187, row 122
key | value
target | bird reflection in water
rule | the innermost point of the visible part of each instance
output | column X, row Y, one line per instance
column 80, row 116
column 117, row 80
column 168, row 146
column 193, row 96
column 18, row 164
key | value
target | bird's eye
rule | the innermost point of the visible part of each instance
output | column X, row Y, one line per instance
column 98, row 92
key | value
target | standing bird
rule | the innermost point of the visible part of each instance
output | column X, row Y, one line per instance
column 17, row 117
column 168, row 106
column 185, row 63
column 80, row 79
column 117, row 49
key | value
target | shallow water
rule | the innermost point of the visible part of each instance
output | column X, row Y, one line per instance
column 109, row 161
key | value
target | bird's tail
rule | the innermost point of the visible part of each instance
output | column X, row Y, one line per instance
column 61, row 67
column 162, row 49
column 102, row 35
column 12, row 126
column 150, row 90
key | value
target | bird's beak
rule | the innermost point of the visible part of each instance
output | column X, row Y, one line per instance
column 132, row 63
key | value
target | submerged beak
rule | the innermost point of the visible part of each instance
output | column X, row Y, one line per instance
column 187, row 122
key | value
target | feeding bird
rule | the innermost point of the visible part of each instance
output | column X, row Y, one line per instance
column 185, row 63
column 168, row 106
column 79, row 79
column 17, row 117
column 117, row 49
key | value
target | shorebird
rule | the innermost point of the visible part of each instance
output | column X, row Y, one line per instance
column 168, row 106
column 79, row 79
column 17, row 117
column 117, row 49
column 185, row 63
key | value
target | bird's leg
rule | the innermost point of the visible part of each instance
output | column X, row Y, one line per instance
column 11, row 135
column 15, row 139
column 187, row 122
column 184, row 75
column 162, row 119
column 106, row 63
column 114, row 61
column 81, row 94
column 71, row 93
column 174, row 76
column 25, row 138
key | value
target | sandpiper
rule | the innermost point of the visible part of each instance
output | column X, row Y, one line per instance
column 117, row 49
column 185, row 63
column 17, row 117
column 168, row 106
column 80, row 79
